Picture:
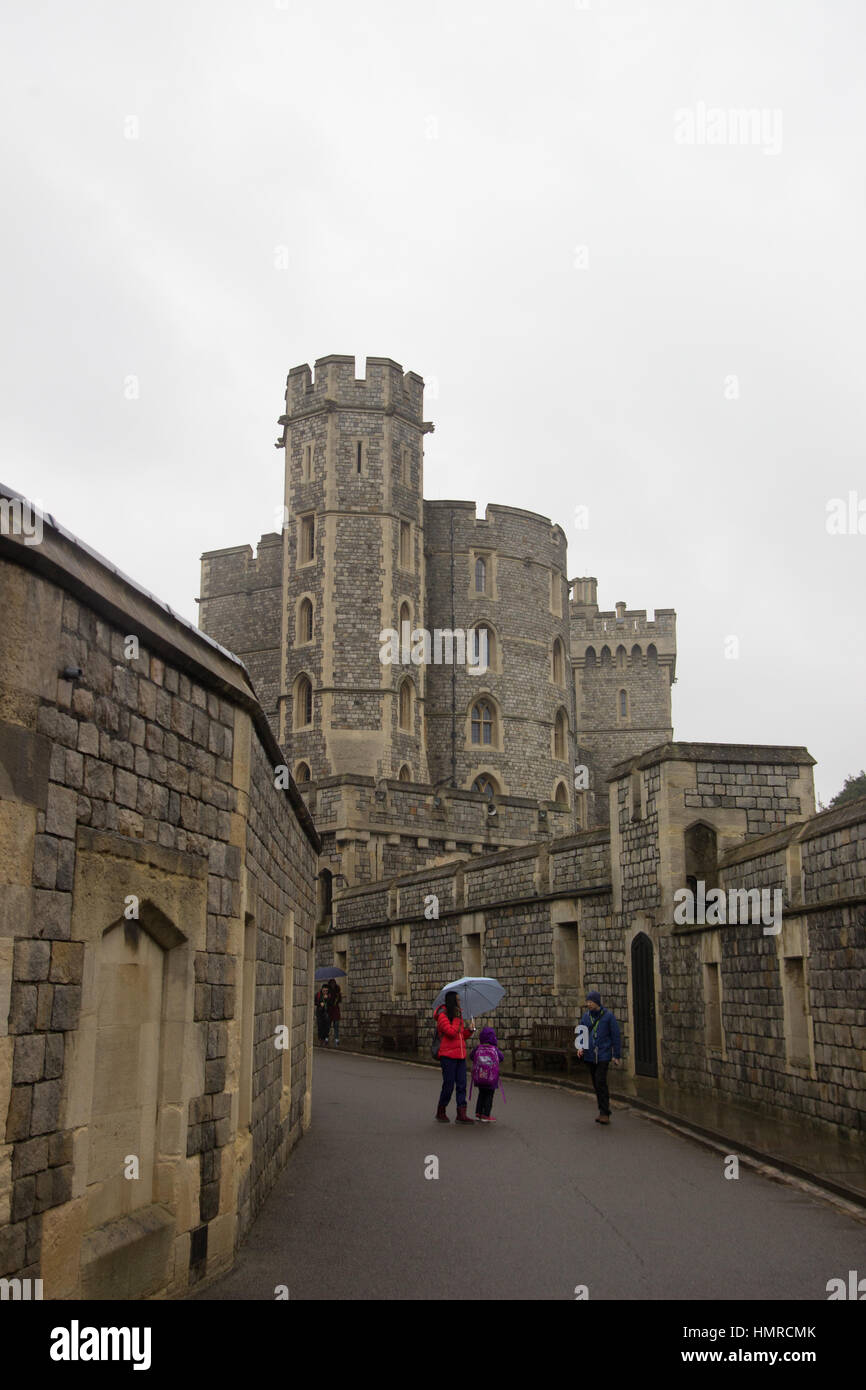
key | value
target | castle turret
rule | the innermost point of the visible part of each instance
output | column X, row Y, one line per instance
column 353, row 567
column 624, row 666
column 509, row 728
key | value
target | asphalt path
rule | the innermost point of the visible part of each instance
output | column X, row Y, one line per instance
column 532, row 1207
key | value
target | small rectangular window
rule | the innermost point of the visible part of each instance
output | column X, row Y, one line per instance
column 359, row 456
column 341, row 960
column 712, row 1006
column 566, row 958
column 307, row 462
column 796, row 1012
column 405, row 545
column 400, row 966
column 636, row 796
column 555, row 593
column 472, row 953
column 308, row 539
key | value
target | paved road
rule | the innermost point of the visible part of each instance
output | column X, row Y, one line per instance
column 530, row 1207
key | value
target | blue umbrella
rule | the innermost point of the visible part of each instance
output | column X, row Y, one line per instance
column 477, row 994
column 329, row 972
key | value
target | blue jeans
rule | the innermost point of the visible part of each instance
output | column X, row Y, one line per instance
column 453, row 1069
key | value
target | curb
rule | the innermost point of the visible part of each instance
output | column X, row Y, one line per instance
column 689, row 1127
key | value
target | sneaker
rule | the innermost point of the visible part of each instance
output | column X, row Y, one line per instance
column 482, row 1119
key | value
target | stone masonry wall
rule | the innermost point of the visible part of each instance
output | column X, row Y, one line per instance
column 148, row 769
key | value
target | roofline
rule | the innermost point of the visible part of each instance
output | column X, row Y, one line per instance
column 67, row 561
column 713, row 753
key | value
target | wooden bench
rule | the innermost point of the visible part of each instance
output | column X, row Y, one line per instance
column 395, row 1032
column 547, row 1040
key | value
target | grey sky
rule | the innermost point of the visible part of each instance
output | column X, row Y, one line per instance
column 496, row 196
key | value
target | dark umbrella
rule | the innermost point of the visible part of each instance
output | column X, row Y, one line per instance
column 329, row 972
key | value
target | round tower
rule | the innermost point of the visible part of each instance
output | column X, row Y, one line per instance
column 353, row 564
column 509, row 729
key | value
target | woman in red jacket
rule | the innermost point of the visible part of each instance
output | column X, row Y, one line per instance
column 453, row 1033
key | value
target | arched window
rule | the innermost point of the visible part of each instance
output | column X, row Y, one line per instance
column 302, row 772
column 486, row 785
column 303, row 703
column 558, row 663
column 652, row 655
column 482, row 722
column 405, row 617
column 406, row 705
column 480, row 575
column 305, row 621
column 623, row 704
column 404, row 775
column 636, row 655
column 561, row 794
column 605, row 656
column 701, row 855
column 560, row 732
column 621, row 656
column 476, row 646
column 589, row 659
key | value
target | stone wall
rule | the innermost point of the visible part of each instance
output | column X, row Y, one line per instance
column 144, row 850
column 819, row 866
column 241, row 606
column 791, row 1014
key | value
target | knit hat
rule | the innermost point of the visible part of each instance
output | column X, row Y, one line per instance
column 488, row 1036
column 594, row 996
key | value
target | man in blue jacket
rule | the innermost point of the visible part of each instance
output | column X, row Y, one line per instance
column 604, row 1046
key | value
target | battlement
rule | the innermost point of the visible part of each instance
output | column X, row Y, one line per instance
column 619, row 624
column 509, row 529
column 334, row 386
column 235, row 569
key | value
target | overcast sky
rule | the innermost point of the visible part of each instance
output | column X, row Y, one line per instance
column 623, row 296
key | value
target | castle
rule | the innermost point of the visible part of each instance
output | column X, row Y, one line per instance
column 184, row 835
column 533, row 820
column 407, row 764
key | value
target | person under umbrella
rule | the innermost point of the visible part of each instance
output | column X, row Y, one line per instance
column 323, row 1020
column 335, row 994
column 453, row 1033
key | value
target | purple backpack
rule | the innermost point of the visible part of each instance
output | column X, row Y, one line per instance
column 485, row 1067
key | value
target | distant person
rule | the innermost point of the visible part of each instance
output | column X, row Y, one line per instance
column 335, row 994
column 605, row 1045
column 323, row 1020
column 453, row 1033
column 486, row 1059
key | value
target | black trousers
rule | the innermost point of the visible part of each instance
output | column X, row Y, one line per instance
column 484, row 1101
column 598, row 1072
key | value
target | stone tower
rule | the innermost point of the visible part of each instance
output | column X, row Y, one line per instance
column 506, row 572
column 624, row 667
column 353, row 565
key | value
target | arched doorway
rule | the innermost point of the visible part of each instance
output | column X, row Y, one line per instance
column 644, row 1006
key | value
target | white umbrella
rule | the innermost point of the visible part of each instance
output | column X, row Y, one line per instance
column 477, row 994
